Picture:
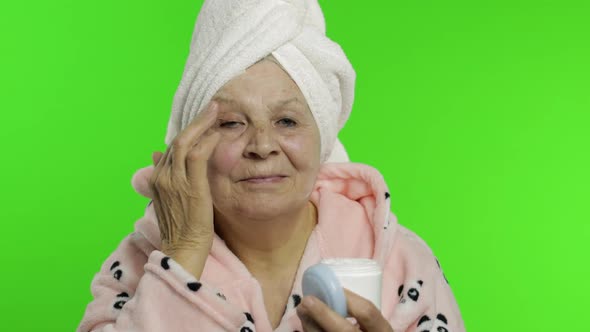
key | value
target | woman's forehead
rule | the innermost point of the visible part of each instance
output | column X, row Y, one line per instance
column 279, row 102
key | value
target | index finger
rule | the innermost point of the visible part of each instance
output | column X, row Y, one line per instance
column 366, row 313
column 190, row 135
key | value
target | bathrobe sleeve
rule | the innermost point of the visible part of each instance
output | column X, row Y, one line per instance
column 141, row 289
column 422, row 297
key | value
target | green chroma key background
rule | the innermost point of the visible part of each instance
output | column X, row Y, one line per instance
column 477, row 113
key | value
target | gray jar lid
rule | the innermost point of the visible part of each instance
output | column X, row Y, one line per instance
column 320, row 281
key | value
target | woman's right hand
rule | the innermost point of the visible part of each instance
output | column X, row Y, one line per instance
column 316, row 316
column 182, row 197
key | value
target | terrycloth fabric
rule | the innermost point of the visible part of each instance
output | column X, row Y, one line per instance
column 138, row 288
column 231, row 35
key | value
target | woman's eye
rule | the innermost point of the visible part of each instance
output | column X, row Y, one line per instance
column 230, row 124
column 287, row 122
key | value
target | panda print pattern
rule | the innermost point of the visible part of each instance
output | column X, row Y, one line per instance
column 412, row 293
column 387, row 219
column 425, row 324
column 248, row 326
column 293, row 302
column 164, row 263
column 121, row 299
column 193, row 285
column 118, row 273
column 161, row 297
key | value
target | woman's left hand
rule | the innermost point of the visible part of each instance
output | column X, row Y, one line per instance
column 318, row 317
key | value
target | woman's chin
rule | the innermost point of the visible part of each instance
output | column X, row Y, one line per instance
column 269, row 208
column 261, row 211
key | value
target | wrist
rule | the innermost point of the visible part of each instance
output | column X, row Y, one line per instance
column 191, row 257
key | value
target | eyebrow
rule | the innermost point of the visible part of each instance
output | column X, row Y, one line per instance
column 228, row 100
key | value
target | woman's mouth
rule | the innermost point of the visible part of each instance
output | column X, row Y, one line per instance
column 264, row 179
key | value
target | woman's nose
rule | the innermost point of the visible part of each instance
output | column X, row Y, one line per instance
column 261, row 144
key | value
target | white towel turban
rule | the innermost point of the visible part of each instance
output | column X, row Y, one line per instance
column 231, row 35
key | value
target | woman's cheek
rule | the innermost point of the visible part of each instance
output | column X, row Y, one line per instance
column 225, row 156
column 300, row 149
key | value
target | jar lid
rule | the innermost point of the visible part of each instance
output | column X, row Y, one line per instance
column 353, row 266
column 320, row 281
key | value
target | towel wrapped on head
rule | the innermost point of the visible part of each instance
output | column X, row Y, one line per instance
column 232, row 35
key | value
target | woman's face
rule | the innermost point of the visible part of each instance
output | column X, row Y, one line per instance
column 268, row 156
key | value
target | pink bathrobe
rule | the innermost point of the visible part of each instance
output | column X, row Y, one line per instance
column 138, row 288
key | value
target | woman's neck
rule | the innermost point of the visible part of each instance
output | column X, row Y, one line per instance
column 269, row 247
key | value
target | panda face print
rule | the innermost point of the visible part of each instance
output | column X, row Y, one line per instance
column 118, row 272
column 293, row 302
column 248, row 326
column 120, row 300
column 439, row 324
column 412, row 291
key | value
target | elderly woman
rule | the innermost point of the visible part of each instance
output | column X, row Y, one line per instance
column 247, row 196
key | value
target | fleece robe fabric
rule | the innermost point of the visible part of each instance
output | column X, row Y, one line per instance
column 139, row 288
